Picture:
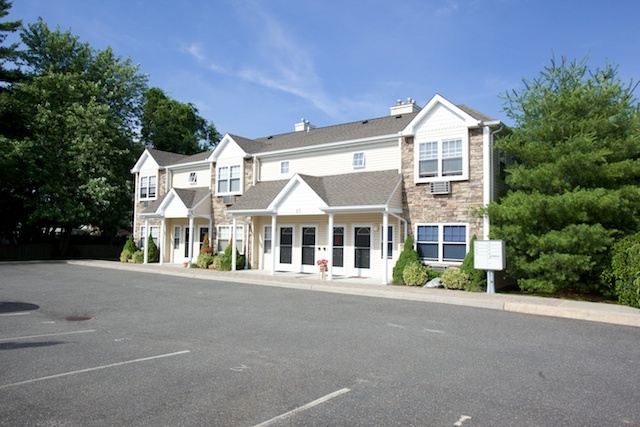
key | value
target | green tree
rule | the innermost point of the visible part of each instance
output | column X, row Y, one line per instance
column 172, row 126
column 573, row 179
column 407, row 256
column 82, row 107
column 8, row 54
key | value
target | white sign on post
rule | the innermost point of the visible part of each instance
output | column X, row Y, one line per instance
column 489, row 255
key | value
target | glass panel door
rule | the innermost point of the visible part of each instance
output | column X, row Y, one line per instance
column 362, row 247
column 338, row 246
column 308, row 245
column 286, row 245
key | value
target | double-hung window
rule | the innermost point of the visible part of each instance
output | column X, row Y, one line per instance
column 229, row 179
column 441, row 159
column 441, row 242
column 268, row 240
column 358, row 160
column 155, row 232
column 148, row 187
column 284, row 167
column 224, row 238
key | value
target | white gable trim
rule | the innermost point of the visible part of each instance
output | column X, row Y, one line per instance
column 291, row 186
column 226, row 140
column 434, row 102
column 141, row 161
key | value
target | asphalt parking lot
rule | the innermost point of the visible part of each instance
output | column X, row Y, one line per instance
column 86, row 346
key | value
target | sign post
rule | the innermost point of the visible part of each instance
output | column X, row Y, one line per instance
column 489, row 255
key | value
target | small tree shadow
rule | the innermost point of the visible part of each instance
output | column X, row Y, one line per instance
column 19, row 345
column 13, row 307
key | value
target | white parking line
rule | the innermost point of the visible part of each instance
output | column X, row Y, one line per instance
column 17, row 313
column 50, row 377
column 47, row 335
column 304, row 407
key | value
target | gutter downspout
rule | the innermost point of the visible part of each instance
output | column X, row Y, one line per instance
column 487, row 172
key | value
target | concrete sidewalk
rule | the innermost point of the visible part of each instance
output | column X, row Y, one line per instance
column 581, row 310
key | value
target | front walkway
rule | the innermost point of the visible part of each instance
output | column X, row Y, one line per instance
column 581, row 310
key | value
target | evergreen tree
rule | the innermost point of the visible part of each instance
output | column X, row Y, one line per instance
column 407, row 256
column 575, row 151
column 8, row 54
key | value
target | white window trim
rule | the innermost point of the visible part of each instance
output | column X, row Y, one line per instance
column 155, row 234
column 264, row 240
column 392, row 241
column 228, row 179
column 140, row 187
column 288, row 164
column 439, row 139
column 239, row 228
column 193, row 178
column 359, row 165
column 441, row 242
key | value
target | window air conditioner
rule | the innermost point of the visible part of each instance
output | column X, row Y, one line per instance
column 228, row 200
column 440, row 187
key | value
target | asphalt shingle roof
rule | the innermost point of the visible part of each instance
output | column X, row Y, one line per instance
column 165, row 158
column 189, row 196
column 353, row 189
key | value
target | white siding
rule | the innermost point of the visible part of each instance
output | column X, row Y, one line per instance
column 300, row 200
column 231, row 154
column 440, row 119
column 181, row 179
column 378, row 156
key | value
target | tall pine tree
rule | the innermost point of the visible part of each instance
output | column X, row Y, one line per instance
column 574, row 176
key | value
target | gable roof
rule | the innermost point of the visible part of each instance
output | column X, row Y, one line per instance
column 190, row 197
column 348, row 190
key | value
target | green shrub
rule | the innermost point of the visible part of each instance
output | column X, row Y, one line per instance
column 407, row 256
column 625, row 270
column 414, row 274
column 153, row 252
column 477, row 278
column 239, row 258
column 204, row 260
column 221, row 262
column 128, row 249
column 453, row 278
column 138, row 257
column 125, row 256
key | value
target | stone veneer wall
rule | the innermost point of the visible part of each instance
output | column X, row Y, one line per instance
column 219, row 209
column 422, row 207
column 161, row 190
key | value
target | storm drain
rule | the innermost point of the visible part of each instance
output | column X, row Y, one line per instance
column 77, row 318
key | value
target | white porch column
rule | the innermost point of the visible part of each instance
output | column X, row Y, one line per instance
column 330, row 247
column 191, row 240
column 273, row 244
column 145, row 241
column 385, row 248
column 233, row 244
column 162, row 239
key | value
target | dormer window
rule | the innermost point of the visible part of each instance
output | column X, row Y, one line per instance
column 358, row 160
column 148, row 187
column 229, row 180
column 193, row 178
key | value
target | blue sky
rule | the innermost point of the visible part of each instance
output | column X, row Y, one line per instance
column 255, row 68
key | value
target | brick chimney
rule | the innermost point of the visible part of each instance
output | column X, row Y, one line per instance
column 405, row 107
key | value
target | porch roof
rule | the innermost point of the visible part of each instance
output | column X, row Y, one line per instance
column 353, row 190
column 190, row 198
